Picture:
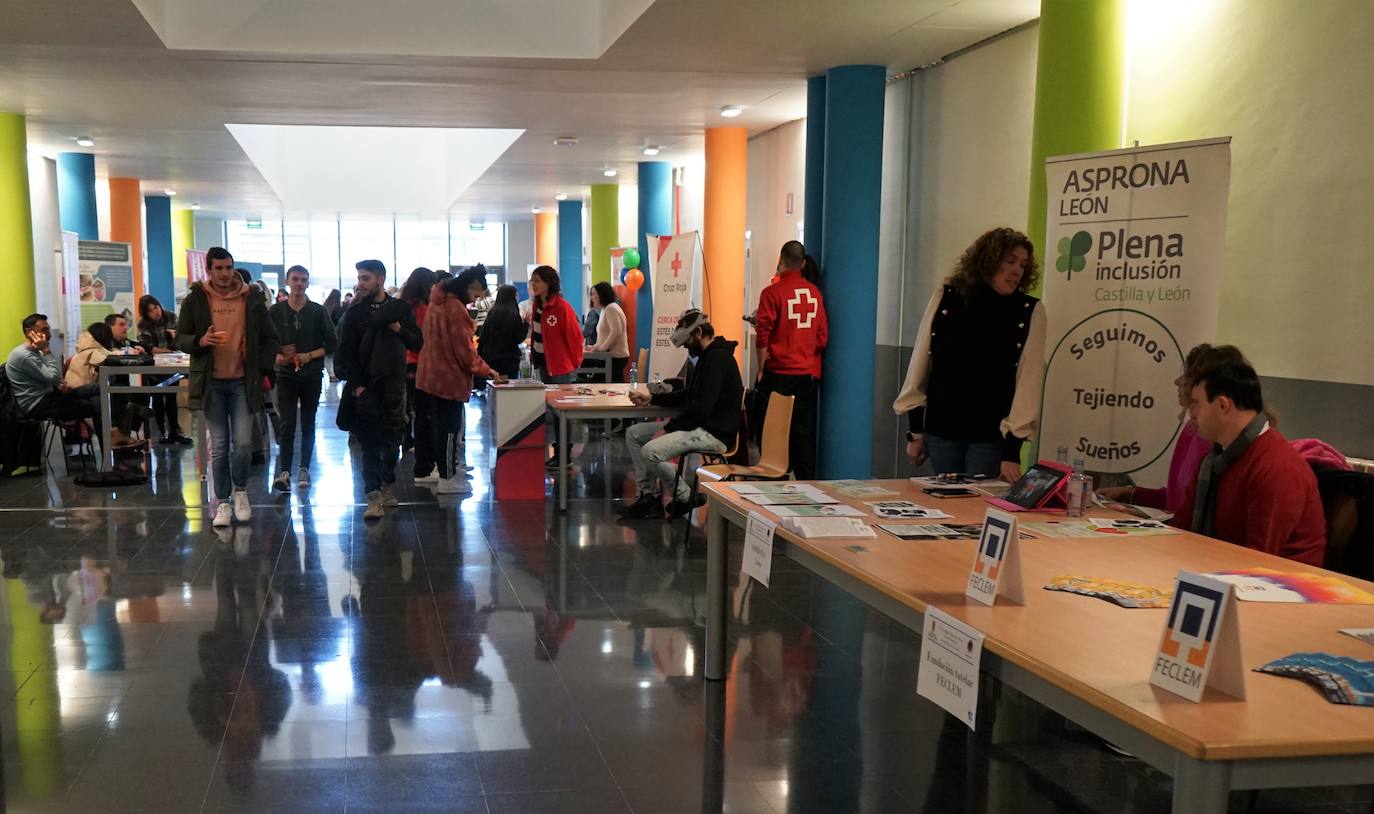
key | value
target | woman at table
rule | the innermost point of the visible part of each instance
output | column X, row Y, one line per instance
column 610, row 329
column 82, row 376
column 555, row 338
column 156, row 330
column 972, row 390
column 502, row 333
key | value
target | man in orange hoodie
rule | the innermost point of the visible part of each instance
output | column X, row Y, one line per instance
column 232, row 345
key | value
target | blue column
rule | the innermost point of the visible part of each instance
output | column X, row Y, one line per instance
column 655, row 217
column 570, row 252
column 813, row 198
column 76, row 194
column 158, row 210
column 852, row 197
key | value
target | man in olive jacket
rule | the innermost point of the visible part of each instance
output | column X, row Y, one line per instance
column 232, row 344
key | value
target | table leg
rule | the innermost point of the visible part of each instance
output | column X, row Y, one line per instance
column 717, row 551
column 106, row 452
column 1201, row 786
column 562, row 461
column 713, row 759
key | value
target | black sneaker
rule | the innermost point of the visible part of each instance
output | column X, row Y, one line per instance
column 681, row 508
column 650, row 506
column 182, row 439
column 282, row 484
column 167, row 441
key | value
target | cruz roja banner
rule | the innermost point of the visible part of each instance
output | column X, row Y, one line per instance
column 1133, row 259
column 672, row 273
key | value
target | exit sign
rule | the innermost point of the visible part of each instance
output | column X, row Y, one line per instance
column 254, row 224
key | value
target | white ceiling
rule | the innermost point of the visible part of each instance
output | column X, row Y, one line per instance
column 96, row 67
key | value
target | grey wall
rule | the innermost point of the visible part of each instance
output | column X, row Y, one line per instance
column 209, row 232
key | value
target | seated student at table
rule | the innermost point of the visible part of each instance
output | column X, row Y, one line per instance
column 709, row 421
column 35, row 376
column 1253, row 489
column 82, row 376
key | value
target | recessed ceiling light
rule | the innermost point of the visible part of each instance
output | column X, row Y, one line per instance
column 536, row 210
column 651, row 150
column 169, row 192
column 561, row 196
column 195, row 206
column 731, row 111
column 610, row 173
column 565, row 141
column 85, row 141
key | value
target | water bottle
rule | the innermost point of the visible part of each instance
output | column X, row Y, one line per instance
column 658, row 379
column 634, row 375
column 1079, row 487
column 1062, row 456
column 526, row 369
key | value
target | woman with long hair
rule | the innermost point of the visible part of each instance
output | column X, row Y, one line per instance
column 502, row 333
column 333, row 306
column 554, row 336
column 610, row 329
column 156, row 331
column 416, row 293
column 448, row 361
column 972, row 390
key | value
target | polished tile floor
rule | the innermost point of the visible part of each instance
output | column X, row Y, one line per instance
column 473, row 656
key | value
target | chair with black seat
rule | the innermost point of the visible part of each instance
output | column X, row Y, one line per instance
column 1348, row 503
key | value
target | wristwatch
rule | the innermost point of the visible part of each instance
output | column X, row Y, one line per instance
column 913, row 436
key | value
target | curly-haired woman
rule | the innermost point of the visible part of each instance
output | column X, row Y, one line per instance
column 972, row 390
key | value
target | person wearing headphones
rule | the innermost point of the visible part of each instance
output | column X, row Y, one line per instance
column 709, row 421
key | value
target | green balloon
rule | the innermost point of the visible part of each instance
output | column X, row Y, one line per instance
column 631, row 258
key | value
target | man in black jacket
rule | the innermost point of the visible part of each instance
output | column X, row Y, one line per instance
column 374, row 335
column 709, row 421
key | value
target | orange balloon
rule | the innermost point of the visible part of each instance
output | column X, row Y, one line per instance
column 634, row 278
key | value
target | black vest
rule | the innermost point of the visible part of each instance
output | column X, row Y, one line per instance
column 975, row 350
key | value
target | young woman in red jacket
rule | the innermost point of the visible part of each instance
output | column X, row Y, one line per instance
column 443, row 380
column 555, row 336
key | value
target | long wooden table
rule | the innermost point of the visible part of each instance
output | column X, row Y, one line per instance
column 1090, row 660
column 596, row 402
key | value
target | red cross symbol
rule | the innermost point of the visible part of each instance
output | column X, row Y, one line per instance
column 802, row 308
column 676, row 264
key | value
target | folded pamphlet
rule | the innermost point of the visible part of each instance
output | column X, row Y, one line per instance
column 1341, row 679
column 813, row 528
column 1125, row 594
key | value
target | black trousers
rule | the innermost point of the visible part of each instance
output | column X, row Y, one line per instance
column 296, row 393
column 439, row 442
column 381, row 449
column 801, row 448
column 66, row 407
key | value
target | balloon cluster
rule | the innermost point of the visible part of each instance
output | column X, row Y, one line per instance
column 631, row 275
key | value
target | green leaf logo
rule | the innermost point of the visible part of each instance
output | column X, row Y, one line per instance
column 1073, row 253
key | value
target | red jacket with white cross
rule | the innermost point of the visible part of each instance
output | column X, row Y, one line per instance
column 790, row 324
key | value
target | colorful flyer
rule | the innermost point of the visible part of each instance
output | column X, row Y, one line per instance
column 857, row 488
column 1341, row 679
column 1133, row 527
column 1125, row 594
column 905, row 510
column 1269, row 585
column 1200, row 646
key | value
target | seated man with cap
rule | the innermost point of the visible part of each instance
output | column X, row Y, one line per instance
column 709, row 421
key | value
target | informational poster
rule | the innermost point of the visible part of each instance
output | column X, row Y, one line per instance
column 1132, row 270
column 105, row 280
column 672, row 273
column 72, row 325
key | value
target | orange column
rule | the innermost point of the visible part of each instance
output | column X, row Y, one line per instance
column 546, row 239
column 727, row 174
column 126, row 223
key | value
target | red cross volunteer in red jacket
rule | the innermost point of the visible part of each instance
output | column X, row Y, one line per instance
column 790, row 333
column 555, row 338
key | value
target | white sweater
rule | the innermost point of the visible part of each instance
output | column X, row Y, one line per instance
column 610, row 332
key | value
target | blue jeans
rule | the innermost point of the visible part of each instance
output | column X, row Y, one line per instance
column 231, row 435
column 652, row 456
column 968, row 457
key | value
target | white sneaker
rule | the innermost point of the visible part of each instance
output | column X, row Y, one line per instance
column 222, row 516
column 430, row 478
column 453, row 486
column 243, row 512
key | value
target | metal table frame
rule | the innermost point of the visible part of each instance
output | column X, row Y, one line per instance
column 567, row 415
column 107, row 453
column 1199, row 785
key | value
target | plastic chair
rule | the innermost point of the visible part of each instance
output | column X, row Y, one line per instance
column 773, row 461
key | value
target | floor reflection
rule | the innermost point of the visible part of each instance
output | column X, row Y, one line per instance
column 470, row 655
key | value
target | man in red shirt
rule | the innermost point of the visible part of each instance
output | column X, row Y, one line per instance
column 1253, row 489
column 790, row 333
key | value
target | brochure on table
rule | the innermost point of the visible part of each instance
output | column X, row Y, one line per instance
column 1125, row 594
column 1299, row 587
column 1200, row 646
column 951, row 653
column 1340, row 679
